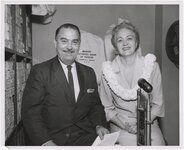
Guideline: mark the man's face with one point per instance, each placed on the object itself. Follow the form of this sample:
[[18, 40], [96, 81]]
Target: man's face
[[67, 45]]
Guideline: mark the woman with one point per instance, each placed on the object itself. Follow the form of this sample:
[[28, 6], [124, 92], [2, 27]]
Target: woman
[[118, 89]]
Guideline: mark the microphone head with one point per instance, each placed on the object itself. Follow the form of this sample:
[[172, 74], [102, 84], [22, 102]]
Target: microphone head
[[145, 85]]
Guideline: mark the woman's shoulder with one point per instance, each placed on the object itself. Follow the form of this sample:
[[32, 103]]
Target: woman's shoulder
[[106, 66], [150, 57], [110, 66], [150, 60], [111, 63]]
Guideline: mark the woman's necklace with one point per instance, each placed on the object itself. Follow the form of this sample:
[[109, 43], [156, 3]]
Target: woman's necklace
[[116, 88]]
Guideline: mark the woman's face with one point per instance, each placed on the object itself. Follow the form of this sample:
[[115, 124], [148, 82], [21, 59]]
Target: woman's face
[[125, 42]]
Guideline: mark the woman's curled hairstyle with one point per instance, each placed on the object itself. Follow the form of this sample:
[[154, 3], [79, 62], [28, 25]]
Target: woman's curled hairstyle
[[124, 25]]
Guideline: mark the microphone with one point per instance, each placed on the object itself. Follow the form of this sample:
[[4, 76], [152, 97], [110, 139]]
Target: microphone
[[145, 85]]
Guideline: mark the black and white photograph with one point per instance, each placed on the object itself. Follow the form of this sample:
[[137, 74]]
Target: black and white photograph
[[91, 75]]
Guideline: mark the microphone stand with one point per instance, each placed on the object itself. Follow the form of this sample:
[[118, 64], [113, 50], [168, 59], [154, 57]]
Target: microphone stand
[[148, 121], [143, 120]]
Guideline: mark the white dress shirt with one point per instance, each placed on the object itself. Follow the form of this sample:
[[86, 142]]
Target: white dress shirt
[[75, 77]]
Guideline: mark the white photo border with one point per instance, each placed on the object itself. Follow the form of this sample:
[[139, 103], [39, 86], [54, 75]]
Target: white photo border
[[73, 2]]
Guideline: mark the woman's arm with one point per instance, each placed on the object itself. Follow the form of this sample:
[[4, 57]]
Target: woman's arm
[[157, 103], [111, 114], [106, 99]]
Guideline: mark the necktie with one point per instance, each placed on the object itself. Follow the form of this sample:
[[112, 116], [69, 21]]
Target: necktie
[[70, 79]]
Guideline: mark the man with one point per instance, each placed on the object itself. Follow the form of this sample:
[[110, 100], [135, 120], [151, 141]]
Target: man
[[61, 105]]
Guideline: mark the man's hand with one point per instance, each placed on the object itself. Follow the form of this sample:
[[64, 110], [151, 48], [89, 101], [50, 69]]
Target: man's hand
[[49, 143], [101, 131]]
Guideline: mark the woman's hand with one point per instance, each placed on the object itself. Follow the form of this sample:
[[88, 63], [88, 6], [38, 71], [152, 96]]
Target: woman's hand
[[129, 124], [131, 127], [153, 117]]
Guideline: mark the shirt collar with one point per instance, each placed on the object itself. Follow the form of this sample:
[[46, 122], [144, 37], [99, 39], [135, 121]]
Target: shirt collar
[[65, 66]]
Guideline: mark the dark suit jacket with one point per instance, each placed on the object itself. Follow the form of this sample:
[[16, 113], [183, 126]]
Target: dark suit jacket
[[48, 106]]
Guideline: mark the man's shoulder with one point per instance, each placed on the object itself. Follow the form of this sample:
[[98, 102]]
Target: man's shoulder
[[45, 64], [85, 67]]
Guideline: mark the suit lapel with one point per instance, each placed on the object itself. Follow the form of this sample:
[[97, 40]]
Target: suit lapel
[[81, 79], [61, 78]]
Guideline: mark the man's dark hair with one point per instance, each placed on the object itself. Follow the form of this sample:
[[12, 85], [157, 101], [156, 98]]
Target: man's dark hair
[[70, 26]]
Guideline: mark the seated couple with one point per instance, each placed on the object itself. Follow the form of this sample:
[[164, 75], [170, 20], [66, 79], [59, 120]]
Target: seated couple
[[61, 104]]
